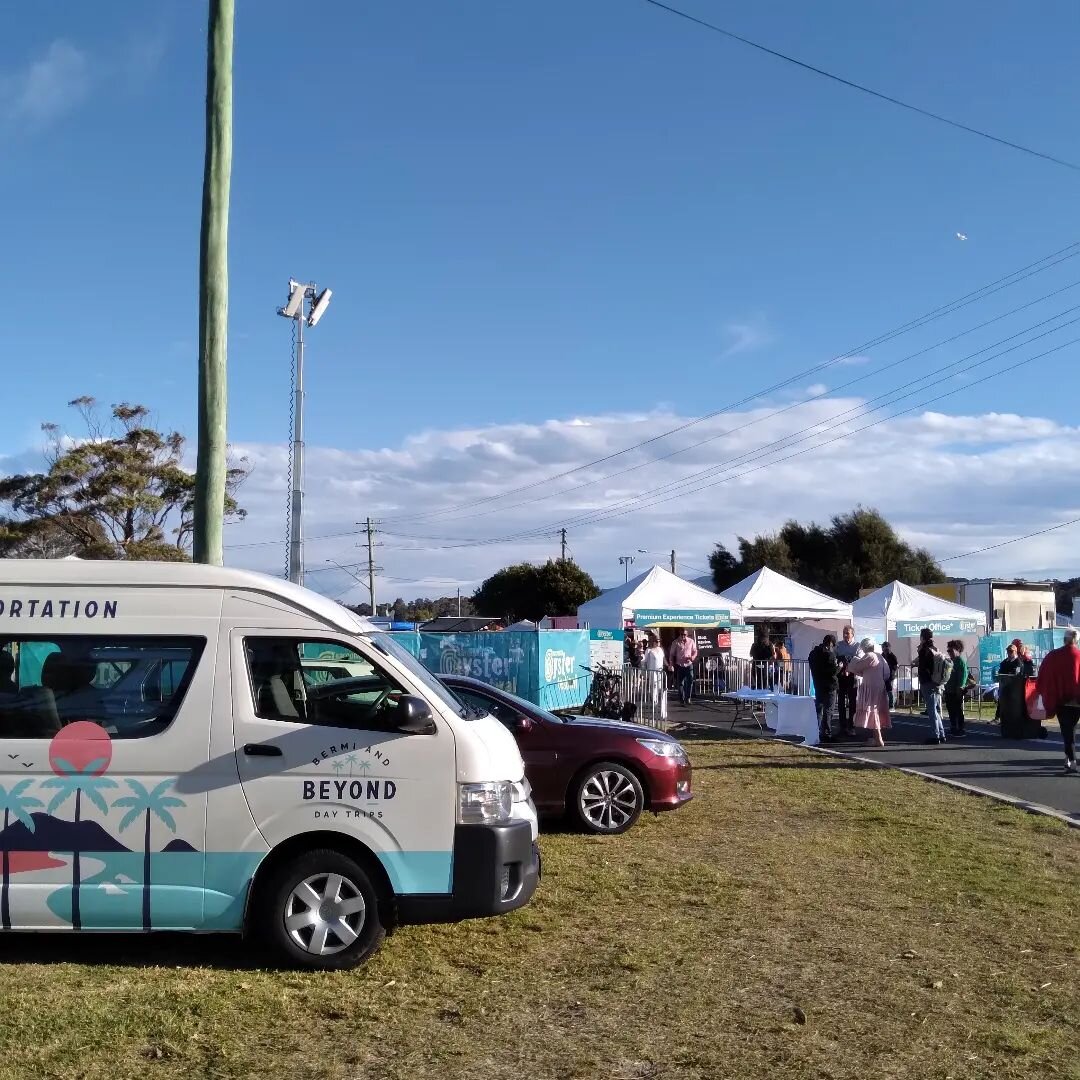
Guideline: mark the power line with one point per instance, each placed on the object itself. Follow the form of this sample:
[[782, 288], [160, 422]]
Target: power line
[[594, 517], [864, 408], [1014, 540], [846, 435], [862, 88], [1070, 251], [873, 373]]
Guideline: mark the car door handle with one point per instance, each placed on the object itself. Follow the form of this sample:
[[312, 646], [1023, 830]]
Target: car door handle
[[262, 750]]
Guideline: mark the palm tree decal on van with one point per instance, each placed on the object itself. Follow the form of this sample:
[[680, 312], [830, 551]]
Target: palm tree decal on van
[[79, 754], [152, 804], [14, 802]]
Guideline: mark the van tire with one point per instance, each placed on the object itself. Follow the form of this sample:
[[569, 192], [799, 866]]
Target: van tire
[[293, 892], [594, 784]]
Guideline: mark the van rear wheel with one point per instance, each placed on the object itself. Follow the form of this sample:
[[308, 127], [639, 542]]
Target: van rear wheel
[[320, 910]]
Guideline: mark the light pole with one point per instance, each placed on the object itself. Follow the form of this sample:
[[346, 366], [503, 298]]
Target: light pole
[[300, 296], [625, 561], [671, 555]]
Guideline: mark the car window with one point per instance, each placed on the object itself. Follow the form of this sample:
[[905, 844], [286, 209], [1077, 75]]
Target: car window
[[350, 691], [132, 687], [506, 714]]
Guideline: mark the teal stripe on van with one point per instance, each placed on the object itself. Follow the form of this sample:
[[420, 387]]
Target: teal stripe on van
[[419, 871]]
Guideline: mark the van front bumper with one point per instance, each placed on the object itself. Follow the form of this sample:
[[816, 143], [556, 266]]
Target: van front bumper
[[496, 869]]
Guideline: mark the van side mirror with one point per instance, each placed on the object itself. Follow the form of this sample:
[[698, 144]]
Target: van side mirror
[[414, 716]]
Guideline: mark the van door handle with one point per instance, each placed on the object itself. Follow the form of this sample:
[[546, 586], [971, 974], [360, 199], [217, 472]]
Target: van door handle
[[255, 749]]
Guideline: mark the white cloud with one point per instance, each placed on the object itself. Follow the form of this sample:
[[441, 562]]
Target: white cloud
[[63, 77], [48, 87], [852, 361], [950, 483], [746, 336]]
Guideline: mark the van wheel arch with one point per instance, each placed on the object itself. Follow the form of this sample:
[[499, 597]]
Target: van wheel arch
[[313, 841]]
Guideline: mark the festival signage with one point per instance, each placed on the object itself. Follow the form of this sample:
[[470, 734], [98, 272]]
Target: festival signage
[[940, 627], [675, 617], [606, 648]]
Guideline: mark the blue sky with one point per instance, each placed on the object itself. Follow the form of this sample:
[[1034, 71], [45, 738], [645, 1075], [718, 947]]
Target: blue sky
[[527, 213]]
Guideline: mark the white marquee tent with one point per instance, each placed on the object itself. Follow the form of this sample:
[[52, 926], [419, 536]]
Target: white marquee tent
[[899, 612], [766, 596], [663, 598]]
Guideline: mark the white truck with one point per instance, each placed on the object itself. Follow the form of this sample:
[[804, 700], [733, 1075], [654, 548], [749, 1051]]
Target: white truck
[[167, 764]]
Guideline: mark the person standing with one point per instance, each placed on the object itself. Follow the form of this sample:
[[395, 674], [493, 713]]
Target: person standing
[[1059, 687], [1027, 662], [930, 671], [653, 663], [684, 652], [892, 660], [824, 669], [761, 660], [954, 689], [872, 702], [847, 684]]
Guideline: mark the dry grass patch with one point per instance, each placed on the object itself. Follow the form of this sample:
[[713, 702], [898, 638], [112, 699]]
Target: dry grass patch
[[801, 918]]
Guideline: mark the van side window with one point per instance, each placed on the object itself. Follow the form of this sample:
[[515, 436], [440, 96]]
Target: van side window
[[132, 687], [319, 682]]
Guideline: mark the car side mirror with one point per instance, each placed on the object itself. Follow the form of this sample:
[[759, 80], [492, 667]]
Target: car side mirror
[[523, 725], [414, 716]]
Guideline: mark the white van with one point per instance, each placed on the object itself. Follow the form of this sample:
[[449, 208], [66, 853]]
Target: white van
[[186, 747]]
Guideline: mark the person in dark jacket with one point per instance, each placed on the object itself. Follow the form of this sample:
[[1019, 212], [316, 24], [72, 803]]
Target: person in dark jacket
[[931, 690], [824, 670], [848, 685], [893, 661]]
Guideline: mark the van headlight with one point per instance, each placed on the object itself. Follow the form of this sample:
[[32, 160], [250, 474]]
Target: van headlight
[[487, 803], [668, 748], [522, 790]]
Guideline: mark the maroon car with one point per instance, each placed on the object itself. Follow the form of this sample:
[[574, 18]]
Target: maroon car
[[601, 772]]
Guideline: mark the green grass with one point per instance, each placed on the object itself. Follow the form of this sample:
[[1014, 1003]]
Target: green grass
[[801, 918]]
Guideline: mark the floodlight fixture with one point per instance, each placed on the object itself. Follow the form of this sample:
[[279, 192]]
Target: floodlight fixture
[[318, 306], [297, 292]]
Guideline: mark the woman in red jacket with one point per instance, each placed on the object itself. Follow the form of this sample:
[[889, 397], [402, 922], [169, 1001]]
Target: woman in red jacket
[[1059, 688]]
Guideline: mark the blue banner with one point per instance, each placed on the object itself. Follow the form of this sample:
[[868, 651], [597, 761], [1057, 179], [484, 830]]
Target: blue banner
[[940, 627], [992, 648], [545, 667]]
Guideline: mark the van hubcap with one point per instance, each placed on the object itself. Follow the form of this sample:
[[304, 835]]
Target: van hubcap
[[608, 800], [325, 914]]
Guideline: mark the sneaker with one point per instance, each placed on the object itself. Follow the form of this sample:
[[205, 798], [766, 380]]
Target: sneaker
[[940, 739], [933, 740], [1070, 768]]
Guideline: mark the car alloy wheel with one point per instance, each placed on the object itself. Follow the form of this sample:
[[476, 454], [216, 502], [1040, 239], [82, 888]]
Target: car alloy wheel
[[609, 799]]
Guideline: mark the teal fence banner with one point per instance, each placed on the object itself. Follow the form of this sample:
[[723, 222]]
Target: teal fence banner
[[677, 617], [546, 667], [940, 627], [992, 648]]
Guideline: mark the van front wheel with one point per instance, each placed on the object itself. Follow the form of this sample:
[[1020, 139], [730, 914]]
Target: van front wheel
[[320, 910]]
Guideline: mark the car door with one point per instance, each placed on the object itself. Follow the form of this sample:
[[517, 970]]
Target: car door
[[96, 732], [329, 757], [534, 742]]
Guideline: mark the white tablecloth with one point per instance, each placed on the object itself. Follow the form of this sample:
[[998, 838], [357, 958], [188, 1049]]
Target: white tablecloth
[[787, 714]]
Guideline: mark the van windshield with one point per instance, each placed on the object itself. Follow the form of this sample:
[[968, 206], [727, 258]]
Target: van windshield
[[386, 644]]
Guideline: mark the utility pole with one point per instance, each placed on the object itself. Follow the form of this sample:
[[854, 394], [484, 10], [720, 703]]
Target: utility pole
[[459, 602], [371, 562], [210, 467], [562, 534], [673, 560]]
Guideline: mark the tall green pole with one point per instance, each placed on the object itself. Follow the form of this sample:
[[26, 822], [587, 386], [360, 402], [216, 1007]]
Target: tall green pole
[[214, 287]]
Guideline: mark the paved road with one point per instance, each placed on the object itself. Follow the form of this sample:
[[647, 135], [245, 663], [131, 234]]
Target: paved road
[[1029, 770]]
